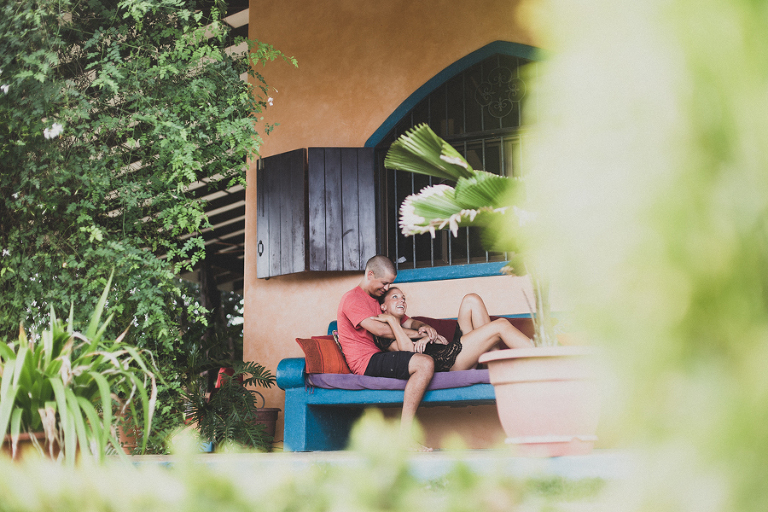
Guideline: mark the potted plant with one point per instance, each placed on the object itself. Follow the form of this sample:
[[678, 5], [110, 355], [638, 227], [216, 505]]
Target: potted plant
[[230, 414], [547, 395], [59, 389]]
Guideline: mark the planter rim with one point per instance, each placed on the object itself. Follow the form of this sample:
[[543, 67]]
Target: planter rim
[[518, 353], [26, 436]]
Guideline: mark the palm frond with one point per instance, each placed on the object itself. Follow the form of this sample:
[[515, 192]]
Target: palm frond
[[485, 189], [421, 151], [436, 208]]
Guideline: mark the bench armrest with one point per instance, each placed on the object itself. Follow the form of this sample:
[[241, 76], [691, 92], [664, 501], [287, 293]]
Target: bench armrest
[[290, 373]]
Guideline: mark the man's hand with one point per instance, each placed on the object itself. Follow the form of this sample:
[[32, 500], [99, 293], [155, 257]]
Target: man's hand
[[429, 332]]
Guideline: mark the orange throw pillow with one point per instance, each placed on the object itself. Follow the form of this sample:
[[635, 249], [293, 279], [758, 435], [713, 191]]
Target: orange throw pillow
[[323, 355]]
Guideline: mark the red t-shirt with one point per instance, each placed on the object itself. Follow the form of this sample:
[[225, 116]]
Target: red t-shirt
[[356, 343]]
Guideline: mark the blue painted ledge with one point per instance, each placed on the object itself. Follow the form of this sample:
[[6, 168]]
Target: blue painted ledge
[[415, 275]]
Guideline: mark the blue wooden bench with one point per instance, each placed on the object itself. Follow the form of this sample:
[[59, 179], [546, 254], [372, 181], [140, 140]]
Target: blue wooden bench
[[320, 419]]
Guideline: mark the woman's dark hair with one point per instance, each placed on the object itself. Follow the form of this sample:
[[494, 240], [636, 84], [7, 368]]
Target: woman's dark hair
[[381, 299]]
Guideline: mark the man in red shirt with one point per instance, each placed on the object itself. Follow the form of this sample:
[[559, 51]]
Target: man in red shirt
[[357, 326]]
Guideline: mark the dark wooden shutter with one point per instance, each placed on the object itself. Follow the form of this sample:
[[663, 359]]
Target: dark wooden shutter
[[281, 225], [324, 196], [342, 209]]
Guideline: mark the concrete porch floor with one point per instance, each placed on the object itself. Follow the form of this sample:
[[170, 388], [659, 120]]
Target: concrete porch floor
[[604, 464]]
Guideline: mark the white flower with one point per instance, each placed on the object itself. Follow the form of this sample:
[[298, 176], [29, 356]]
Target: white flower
[[54, 131], [5, 88], [6, 252], [270, 101]]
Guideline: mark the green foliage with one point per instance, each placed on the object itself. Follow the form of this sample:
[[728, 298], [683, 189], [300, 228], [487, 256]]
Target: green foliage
[[148, 102], [421, 151], [63, 384], [229, 415], [203, 347], [373, 477], [650, 168], [478, 199]]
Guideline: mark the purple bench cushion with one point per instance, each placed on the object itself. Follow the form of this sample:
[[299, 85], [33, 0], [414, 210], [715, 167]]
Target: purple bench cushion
[[443, 380]]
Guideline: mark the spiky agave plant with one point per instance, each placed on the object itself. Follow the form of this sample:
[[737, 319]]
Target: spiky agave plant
[[478, 198], [67, 385]]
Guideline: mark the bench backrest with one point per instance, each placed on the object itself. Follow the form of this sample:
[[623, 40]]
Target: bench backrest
[[523, 322]]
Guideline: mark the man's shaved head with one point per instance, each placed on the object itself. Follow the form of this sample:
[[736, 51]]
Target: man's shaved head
[[381, 266]]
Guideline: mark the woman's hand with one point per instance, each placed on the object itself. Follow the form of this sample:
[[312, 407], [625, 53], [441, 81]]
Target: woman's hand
[[384, 317], [421, 344], [440, 340]]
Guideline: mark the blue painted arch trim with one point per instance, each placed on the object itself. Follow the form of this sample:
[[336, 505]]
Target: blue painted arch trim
[[503, 47]]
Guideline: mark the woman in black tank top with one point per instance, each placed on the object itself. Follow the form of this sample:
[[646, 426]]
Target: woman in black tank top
[[475, 333]]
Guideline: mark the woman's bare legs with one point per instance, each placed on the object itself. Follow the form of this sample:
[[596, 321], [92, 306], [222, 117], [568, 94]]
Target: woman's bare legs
[[480, 334], [472, 313]]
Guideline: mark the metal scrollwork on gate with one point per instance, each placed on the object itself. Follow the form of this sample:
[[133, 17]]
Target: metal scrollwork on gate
[[500, 92]]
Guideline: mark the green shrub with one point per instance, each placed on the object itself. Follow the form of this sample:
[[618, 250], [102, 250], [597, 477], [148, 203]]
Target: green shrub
[[229, 414], [375, 476], [63, 382]]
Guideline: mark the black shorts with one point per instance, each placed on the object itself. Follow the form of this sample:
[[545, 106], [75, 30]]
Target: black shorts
[[390, 364]]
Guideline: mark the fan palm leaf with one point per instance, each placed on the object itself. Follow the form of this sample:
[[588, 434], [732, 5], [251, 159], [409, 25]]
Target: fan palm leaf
[[421, 151], [436, 208], [484, 189]]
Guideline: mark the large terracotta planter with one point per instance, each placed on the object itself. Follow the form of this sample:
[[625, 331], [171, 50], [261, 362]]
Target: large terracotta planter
[[547, 398], [34, 444], [127, 435]]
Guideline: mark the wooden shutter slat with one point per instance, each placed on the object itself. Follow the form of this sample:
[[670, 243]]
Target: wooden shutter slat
[[299, 200], [367, 205], [273, 170], [333, 210], [316, 199], [286, 215], [262, 224], [350, 241]]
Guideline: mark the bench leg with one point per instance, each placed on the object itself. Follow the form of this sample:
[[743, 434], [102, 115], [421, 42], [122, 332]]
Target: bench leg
[[330, 426], [316, 427]]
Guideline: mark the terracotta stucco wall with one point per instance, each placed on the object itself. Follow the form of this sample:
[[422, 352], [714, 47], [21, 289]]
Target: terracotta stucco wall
[[358, 61]]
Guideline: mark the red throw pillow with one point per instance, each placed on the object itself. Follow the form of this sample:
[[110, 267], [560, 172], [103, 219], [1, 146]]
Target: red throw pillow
[[322, 355]]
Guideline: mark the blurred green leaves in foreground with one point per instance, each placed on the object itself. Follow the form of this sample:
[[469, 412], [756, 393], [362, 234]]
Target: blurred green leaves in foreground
[[374, 476], [651, 173]]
